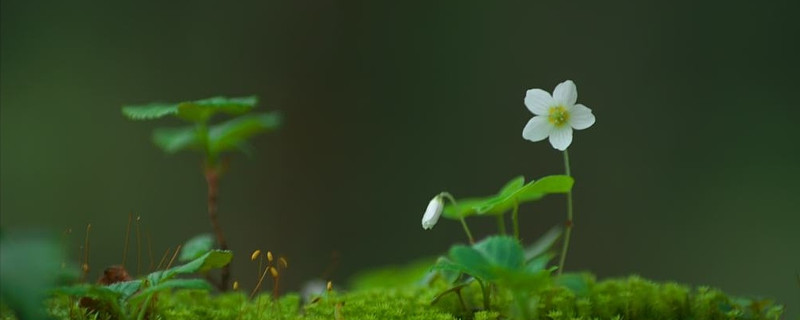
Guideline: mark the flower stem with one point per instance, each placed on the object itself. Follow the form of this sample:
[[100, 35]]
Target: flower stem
[[515, 219], [501, 224], [466, 229], [568, 223], [461, 218]]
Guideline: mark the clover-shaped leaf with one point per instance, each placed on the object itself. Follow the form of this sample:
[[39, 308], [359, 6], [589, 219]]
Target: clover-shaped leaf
[[513, 193], [532, 191], [487, 259]]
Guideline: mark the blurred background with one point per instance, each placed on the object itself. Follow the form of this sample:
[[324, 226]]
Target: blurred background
[[690, 173]]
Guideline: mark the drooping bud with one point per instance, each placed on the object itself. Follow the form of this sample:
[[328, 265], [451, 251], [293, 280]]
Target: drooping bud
[[433, 212]]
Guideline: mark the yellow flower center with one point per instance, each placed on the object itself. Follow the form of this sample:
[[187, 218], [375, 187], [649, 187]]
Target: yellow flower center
[[558, 116]]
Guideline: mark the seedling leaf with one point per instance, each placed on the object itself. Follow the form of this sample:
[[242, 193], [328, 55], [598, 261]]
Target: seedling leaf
[[200, 111], [233, 133], [172, 140], [126, 288], [196, 247], [210, 260], [150, 111]]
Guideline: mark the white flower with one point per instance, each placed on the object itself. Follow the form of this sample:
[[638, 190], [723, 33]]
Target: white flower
[[556, 115], [433, 212]]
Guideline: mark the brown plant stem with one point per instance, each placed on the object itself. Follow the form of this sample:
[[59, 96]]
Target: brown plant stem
[[212, 179]]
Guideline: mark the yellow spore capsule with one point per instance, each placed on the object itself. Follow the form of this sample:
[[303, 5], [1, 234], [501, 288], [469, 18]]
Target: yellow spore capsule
[[283, 261], [255, 254], [269, 256], [235, 285], [273, 271], [330, 286]]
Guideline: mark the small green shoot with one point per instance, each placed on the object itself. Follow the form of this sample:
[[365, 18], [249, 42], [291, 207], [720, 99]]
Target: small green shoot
[[196, 247], [210, 140]]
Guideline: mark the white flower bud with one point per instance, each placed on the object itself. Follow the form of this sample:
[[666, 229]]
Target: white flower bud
[[433, 212]]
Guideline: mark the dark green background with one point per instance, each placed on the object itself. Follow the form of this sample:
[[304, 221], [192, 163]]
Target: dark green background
[[690, 173]]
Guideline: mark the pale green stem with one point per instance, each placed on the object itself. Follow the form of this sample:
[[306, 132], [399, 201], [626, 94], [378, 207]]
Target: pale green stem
[[515, 219], [501, 224], [461, 218], [569, 219], [486, 304]]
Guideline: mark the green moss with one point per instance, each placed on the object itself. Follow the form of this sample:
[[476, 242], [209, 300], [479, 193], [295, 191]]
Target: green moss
[[624, 298]]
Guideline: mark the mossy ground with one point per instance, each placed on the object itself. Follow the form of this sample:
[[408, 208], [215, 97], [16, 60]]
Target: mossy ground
[[625, 298]]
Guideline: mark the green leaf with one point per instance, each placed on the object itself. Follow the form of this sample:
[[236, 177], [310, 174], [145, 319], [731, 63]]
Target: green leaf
[[465, 208], [196, 247], [149, 111], [488, 259], [125, 288], [29, 269], [512, 186], [110, 297], [544, 243], [211, 260], [532, 191], [172, 140], [445, 264], [544, 186], [578, 283], [502, 252], [471, 262], [538, 263], [198, 284], [200, 111], [232, 134], [468, 207]]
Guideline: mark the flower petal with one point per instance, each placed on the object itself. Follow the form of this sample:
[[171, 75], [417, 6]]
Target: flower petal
[[566, 93], [580, 117], [561, 138], [538, 101], [537, 129]]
